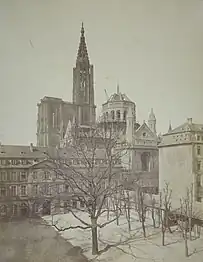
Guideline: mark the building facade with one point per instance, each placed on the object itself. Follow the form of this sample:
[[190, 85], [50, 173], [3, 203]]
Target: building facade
[[141, 140], [31, 181], [15, 163], [54, 113], [181, 161]]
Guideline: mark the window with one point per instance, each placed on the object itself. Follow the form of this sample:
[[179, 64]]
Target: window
[[198, 150], [198, 138], [2, 162], [145, 161], [107, 115], [118, 114], [198, 165], [74, 202], [13, 176], [14, 162], [23, 176], [13, 191], [199, 199], [82, 204], [3, 191], [23, 190], [35, 189], [57, 189], [34, 175], [144, 134], [3, 176], [3, 210], [14, 209], [112, 115], [46, 175], [46, 189], [198, 181], [66, 188], [23, 161]]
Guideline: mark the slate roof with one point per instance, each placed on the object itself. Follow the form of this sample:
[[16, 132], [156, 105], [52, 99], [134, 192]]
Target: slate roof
[[32, 152], [119, 97]]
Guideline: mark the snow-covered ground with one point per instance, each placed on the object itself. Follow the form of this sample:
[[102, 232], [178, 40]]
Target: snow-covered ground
[[131, 247]]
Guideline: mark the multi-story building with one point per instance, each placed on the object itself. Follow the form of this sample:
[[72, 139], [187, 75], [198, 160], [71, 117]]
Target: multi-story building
[[181, 161], [15, 162], [54, 113], [141, 140], [31, 182]]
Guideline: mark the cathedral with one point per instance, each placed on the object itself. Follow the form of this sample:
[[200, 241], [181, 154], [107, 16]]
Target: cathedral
[[56, 119], [54, 114]]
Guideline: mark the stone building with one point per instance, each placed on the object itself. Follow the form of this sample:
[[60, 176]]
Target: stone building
[[54, 113], [181, 161], [141, 140], [15, 162], [31, 182]]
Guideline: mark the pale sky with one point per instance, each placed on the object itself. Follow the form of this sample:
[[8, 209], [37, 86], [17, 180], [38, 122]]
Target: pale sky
[[153, 48]]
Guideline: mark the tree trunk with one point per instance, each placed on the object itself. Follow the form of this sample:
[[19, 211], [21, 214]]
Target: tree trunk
[[163, 237], [108, 213], [95, 248], [186, 244], [159, 217], [153, 218], [143, 228], [117, 218], [128, 214], [190, 227]]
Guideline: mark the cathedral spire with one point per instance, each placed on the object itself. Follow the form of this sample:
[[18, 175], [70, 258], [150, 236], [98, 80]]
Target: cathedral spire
[[82, 50], [170, 127], [118, 88]]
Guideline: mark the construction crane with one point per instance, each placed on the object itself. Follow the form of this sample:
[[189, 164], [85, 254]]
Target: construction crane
[[107, 97]]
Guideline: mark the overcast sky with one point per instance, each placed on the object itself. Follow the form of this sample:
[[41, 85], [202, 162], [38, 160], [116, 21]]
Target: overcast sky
[[154, 48]]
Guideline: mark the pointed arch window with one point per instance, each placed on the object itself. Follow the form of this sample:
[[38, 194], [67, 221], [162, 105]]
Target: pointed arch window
[[107, 115], [112, 115], [124, 115], [145, 161]]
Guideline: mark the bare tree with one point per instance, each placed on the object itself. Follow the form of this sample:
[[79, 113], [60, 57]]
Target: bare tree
[[165, 208], [188, 217], [91, 168], [142, 210], [184, 219], [127, 208]]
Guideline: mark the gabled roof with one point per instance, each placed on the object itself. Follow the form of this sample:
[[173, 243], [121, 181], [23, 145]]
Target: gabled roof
[[186, 127], [119, 97], [19, 151], [144, 128]]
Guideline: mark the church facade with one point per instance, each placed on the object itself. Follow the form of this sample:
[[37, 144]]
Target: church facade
[[54, 113], [56, 119], [141, 158]]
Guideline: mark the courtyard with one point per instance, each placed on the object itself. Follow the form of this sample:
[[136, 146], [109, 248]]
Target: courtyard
[[32, 240]]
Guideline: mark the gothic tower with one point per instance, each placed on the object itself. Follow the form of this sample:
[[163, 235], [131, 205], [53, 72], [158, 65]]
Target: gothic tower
[[54, 114], [83, 85], [152, 121], [129, 126]]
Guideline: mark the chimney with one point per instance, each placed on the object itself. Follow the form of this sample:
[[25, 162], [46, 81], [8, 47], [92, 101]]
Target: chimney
[[31, 147], [189, 120]]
